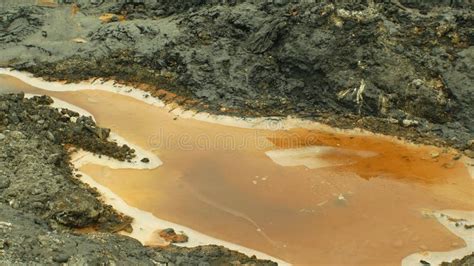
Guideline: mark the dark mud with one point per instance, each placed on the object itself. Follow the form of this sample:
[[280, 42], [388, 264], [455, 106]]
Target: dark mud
[[466, 261], [42, 202], [403, 70], [36, 174]]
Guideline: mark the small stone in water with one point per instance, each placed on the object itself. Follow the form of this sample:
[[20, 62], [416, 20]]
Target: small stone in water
[[424, 262]]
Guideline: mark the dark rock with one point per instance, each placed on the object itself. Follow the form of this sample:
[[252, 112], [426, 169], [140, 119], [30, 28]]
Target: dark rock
[[17, 135], [61, 258], [50, 136], [266, 37], [3, 106], [424, 262], [171, 236], [145, 160], [4, 182], [259, 59], [466, 261]]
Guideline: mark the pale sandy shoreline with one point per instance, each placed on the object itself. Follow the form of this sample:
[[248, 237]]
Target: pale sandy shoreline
[[444, 216], [145, 223]]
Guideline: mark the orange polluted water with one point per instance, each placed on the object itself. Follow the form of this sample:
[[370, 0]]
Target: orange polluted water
[[266, 190]]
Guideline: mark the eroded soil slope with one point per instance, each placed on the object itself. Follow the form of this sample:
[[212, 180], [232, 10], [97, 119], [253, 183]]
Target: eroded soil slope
[[392, 68]]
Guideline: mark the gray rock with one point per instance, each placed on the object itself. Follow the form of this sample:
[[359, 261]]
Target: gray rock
[[3, 106], [409, 123], [50, 136], [4, 182], [61, 258], [17, 135]]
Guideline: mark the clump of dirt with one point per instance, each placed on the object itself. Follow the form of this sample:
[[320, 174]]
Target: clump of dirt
[[171, 236]]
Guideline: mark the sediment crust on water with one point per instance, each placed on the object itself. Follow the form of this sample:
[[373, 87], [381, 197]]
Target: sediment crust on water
[[313, 156]]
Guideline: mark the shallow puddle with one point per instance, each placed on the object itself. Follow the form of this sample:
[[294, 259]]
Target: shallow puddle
[[305, 196]]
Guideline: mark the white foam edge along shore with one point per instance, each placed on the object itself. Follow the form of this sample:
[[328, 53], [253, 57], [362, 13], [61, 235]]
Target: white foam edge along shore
[[454, 221], [97, 84], [82, 157], [263, 123], [144, 224], [469, 162]]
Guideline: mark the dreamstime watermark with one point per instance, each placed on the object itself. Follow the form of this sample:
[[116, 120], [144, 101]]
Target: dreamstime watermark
[[255, 140], [207, 142]]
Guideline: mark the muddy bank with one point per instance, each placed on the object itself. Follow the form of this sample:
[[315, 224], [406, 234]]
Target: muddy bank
[[28, 239], [36, 174], [396, 69], [42, 203], [468, 260]]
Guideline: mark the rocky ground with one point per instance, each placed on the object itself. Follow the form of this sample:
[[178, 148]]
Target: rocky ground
[[394, 68], [466, 261], [42, 203]]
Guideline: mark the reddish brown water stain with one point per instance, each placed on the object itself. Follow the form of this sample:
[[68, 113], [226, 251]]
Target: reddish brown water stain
[[325, 216], [396, 160]]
